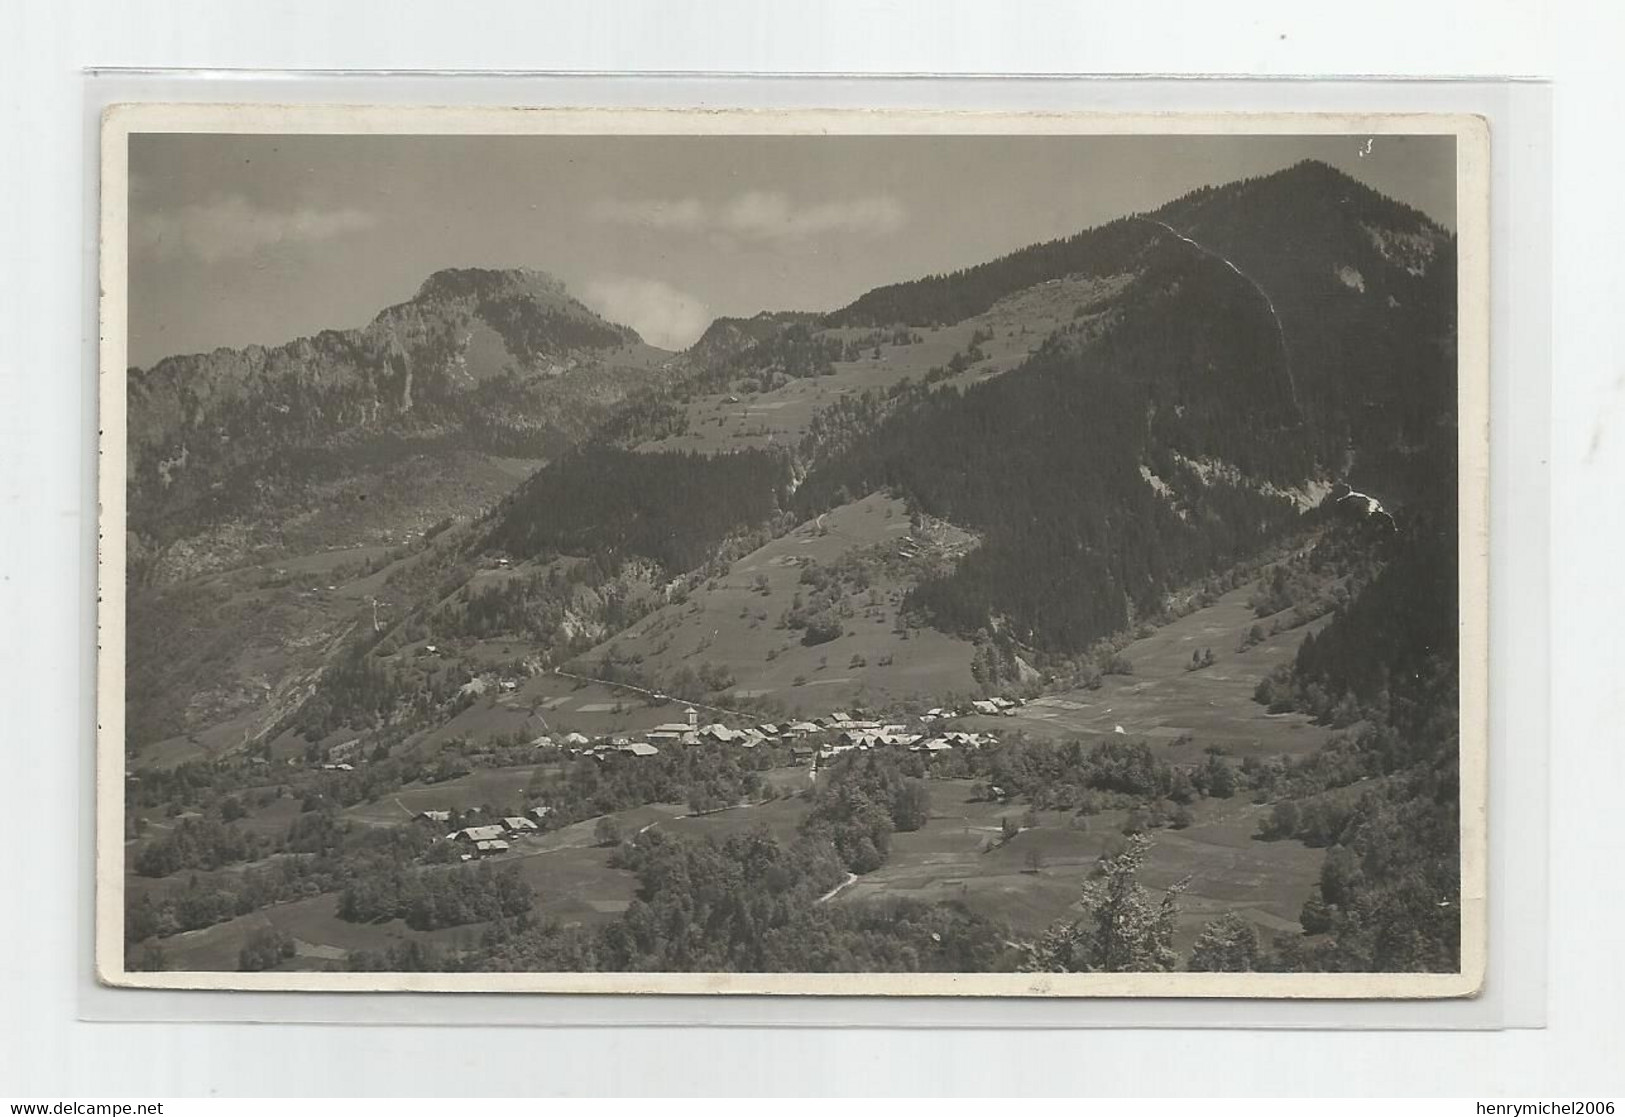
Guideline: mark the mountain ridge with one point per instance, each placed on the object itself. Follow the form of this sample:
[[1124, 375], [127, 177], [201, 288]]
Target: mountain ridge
[[480, 361]]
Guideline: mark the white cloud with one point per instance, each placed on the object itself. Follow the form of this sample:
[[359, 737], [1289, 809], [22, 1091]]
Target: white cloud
[[233, 226], [770, 216], [685, 214], [757, 215], [664, 315]]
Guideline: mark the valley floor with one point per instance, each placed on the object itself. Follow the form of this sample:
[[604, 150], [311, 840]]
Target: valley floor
[[961, 854]]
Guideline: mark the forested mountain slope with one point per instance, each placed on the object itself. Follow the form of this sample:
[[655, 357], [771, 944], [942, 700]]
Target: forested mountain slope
[[1365, 288], [1275, 333], [1361, 287]]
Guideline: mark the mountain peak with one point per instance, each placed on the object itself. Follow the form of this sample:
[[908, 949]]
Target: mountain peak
[[465, 283], [534, 312], [1312, 190]]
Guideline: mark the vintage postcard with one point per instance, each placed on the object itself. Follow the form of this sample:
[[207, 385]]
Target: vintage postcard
[[809, 552]]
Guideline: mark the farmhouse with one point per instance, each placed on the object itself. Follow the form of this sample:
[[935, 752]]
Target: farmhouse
[[639, 748], [984, 706], [492, 845], [539, 813], [435, 816], [575, 740], [476, 834], [802, 728], [516, 825], [544, 742]]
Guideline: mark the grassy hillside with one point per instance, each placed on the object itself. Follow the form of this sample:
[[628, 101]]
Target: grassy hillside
[[737, 621]]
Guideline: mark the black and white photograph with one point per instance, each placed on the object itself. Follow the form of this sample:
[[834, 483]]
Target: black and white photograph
[[907, 553]]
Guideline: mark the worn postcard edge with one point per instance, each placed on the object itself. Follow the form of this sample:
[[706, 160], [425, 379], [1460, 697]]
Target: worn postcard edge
[[1472, 238]]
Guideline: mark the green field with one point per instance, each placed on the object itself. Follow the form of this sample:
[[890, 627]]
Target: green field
[[1163, 701], [570, 872], [957, 856], [733, 623]]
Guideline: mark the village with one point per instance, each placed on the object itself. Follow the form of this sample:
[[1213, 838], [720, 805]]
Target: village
[[811, 742]]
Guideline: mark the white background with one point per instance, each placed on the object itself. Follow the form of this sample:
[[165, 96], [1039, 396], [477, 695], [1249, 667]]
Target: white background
[[47, 532]]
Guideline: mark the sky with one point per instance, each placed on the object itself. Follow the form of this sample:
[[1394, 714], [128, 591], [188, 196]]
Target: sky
[[239, 240]]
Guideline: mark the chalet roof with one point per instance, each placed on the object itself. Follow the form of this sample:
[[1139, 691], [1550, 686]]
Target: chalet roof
[[480, 833], [640, 748], [513, 822]]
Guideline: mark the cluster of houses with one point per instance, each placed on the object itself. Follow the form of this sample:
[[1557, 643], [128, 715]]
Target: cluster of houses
[[492, 838], [823, 737]]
